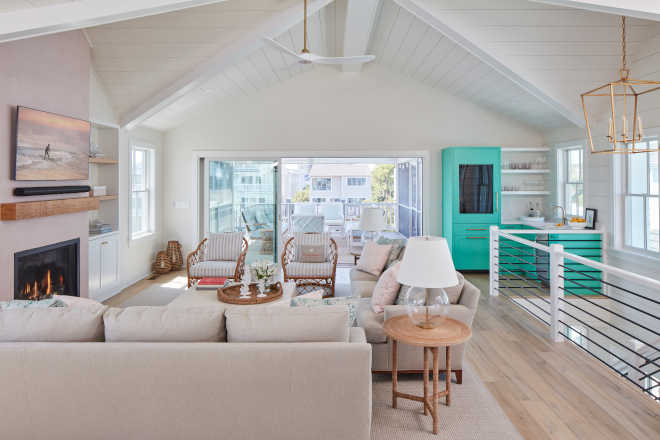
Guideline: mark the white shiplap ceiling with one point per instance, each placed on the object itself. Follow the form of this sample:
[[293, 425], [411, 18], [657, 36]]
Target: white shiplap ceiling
[[17, 5], [565, 51]]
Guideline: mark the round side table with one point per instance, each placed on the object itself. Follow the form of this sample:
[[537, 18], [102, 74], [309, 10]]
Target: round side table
[[449, 333], [266, 241]]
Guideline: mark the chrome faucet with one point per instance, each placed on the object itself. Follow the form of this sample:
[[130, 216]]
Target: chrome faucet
[[563, 214]]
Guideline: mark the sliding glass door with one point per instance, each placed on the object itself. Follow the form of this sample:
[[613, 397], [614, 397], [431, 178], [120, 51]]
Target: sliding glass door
[[242, 196], [409, 196]]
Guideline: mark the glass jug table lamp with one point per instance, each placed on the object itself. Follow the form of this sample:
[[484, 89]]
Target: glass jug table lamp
[[372, 221], [427, 267]]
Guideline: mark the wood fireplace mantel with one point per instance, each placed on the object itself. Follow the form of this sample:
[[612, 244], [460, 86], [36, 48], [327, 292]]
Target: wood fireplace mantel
[[46, 208]]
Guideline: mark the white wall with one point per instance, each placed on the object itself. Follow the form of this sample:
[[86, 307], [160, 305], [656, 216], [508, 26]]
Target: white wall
[[100, 108], [325, 110]]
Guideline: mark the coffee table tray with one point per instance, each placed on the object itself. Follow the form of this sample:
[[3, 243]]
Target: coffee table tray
[[231, 294]]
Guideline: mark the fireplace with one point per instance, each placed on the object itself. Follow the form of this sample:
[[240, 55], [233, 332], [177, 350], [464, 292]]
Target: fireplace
[[46, 271]]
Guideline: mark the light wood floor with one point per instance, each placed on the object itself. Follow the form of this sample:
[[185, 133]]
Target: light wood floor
[[549, 390]]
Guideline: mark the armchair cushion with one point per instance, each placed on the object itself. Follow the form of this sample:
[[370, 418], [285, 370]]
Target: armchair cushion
[[304, 208], [309, 270], [398, 244], [270, 215], [250, 217], [213, 269], [301, 239], [333, 211], [261, 218], [225, 246]]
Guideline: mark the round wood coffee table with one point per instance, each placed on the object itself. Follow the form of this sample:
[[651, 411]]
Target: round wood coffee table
[[450, 332]]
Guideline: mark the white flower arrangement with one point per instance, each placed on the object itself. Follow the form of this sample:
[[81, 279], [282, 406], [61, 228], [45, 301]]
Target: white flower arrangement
[[263, 269]]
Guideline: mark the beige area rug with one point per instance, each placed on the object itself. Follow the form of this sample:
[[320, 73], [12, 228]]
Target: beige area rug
[[156, 295], [474, 413]]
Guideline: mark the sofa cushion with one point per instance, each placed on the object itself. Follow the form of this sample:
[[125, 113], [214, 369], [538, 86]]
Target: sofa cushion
[[386, 289], [371, 322], [224, 246], [27, 304], [401, 296], [318, 294], [454, 292], [363, 288], [373, 258], [213, 269], [52, 324], [350, 301], [287, 324], [76, 301], [398, 244], [357, 275], [309, 270], [166, 324]]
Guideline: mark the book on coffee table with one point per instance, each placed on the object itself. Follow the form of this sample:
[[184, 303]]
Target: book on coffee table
[[212, 283]]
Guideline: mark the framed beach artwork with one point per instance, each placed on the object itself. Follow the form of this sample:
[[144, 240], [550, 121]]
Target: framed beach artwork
[[590, 218], [50, 146]]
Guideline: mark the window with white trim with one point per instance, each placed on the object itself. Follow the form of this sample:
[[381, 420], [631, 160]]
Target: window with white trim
[[142, 189], [355, 200], [319, 199], [641, 198], [356, 181], [570, 173], [322, 183]]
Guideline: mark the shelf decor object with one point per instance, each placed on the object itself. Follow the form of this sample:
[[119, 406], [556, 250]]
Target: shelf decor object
[[426, 265], [162, 264], [625, 88], [174, 255], [372, 221], [47, 208]]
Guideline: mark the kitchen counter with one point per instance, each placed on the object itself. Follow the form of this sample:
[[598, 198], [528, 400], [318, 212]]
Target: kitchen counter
[[550, 226]]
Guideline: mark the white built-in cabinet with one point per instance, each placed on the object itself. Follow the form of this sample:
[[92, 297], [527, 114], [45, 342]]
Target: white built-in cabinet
[[103, 264]]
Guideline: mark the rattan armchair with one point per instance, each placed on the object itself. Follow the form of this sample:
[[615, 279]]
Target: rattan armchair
[[324, 279], [221, 269]]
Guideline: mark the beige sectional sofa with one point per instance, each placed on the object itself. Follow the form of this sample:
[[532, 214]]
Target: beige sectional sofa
[[409, 358], [278, 382]]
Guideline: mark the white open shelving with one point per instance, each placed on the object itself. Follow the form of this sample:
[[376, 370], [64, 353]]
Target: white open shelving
[[525, 193], [524, 150], [537, 171]]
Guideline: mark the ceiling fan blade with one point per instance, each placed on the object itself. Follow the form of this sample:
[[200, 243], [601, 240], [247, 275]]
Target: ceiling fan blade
[[286, 69], [277, 46], [343, 60]]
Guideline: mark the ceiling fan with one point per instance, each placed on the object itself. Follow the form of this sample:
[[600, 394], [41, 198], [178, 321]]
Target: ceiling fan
[[309, 58]]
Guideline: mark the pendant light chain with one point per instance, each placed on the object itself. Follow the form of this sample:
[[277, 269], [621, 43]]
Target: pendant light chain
[[623, 37]]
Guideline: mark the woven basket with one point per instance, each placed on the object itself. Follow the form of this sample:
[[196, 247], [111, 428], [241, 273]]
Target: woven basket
[[162, 263], [174, 255]]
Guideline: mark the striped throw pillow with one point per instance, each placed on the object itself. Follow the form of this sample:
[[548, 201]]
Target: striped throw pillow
[[225, 246], [320, 240]]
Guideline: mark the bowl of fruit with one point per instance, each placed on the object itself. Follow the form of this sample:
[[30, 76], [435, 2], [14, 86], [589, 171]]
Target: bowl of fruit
[[577, 223]]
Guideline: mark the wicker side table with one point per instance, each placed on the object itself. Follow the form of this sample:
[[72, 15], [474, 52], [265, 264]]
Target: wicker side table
[[266, 241], [451, 332]]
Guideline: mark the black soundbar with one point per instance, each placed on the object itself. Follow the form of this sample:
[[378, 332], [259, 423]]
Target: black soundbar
[[48, 190]]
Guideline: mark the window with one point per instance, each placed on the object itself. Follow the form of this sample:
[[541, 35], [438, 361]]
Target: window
[[332, 199], [262, 200], [640, 193], [142, 186], [571, 180], [322, 184], [356, 181], [652, 382], [355, 200], [319, 199]]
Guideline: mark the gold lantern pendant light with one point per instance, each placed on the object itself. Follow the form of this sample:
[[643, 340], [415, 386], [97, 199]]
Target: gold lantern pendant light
[[622, 90]]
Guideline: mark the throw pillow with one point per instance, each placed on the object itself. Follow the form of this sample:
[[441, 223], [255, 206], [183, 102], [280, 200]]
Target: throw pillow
[[24, 304], [317, 294], [373, 258], [350, 301], [386, 289], [398, 244], [311, 254], [401, 296], [261, 218], [75, 301], [454, 292], [224, 246], [314, 239]]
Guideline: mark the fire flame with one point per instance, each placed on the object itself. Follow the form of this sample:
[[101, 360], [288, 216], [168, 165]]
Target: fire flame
[[44, 288]]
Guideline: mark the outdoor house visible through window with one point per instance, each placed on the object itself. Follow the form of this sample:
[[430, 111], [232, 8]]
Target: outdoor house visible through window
[[640, 191], [322, 184], [356, 181], [141, 192], [573, 180]]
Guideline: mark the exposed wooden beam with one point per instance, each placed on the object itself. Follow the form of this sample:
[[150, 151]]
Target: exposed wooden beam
[[33, 22], [430, 12], [360, 23], [645, 9], [272, 28]]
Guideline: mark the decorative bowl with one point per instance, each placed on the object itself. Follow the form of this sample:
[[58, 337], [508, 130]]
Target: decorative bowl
[[576, 225]]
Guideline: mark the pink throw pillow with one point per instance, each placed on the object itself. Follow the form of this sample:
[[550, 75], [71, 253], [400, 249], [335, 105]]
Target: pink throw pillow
[[373, 258], [318, 294], [74, 301], [387, 289]]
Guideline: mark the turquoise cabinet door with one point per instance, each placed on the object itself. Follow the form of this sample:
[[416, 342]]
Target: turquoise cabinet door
[[471, 253], [476, 185]]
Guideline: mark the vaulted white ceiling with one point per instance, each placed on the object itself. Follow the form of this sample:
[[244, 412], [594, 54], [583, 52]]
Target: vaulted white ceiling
[[17, 5]]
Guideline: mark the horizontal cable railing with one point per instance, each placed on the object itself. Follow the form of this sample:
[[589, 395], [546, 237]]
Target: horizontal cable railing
[[577, 298]]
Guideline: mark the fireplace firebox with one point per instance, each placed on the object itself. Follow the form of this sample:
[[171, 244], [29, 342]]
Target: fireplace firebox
[[46, 271]]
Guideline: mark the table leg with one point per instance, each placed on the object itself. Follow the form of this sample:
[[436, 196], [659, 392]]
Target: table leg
[[434, 350], [394, 378], [448, 375], [426, 380]]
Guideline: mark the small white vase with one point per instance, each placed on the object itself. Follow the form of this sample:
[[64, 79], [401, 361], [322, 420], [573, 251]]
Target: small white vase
[[262, 287]]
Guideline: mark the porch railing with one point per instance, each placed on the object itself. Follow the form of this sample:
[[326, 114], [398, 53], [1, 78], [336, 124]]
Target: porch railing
[[606, 311], [351, 210]]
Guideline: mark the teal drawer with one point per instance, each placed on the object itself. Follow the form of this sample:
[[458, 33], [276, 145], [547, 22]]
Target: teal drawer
[[481, 230], [471, 253]]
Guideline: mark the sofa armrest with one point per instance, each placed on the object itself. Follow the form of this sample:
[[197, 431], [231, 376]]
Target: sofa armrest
[[357, 335], [458, 312], [469, 296]]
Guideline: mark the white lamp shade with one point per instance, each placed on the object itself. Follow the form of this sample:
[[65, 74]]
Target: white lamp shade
[[427, 263], [372, 219]]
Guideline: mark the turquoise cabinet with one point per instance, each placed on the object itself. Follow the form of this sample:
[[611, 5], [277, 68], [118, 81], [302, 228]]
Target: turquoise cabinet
[[471, 201], [587, 246]]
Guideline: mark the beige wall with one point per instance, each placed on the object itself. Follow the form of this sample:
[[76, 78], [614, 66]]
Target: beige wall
[[48, 73], [325, 110]]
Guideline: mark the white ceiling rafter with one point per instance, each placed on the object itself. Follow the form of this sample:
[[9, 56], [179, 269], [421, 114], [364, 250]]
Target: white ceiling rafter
[[427, 11], [217, 64], [26, 23], [648, 10], [361, 21]]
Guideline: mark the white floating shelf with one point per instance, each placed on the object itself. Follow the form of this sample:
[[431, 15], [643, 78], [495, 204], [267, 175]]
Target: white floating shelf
[[543, 171], [524, 150], [525, 193]]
